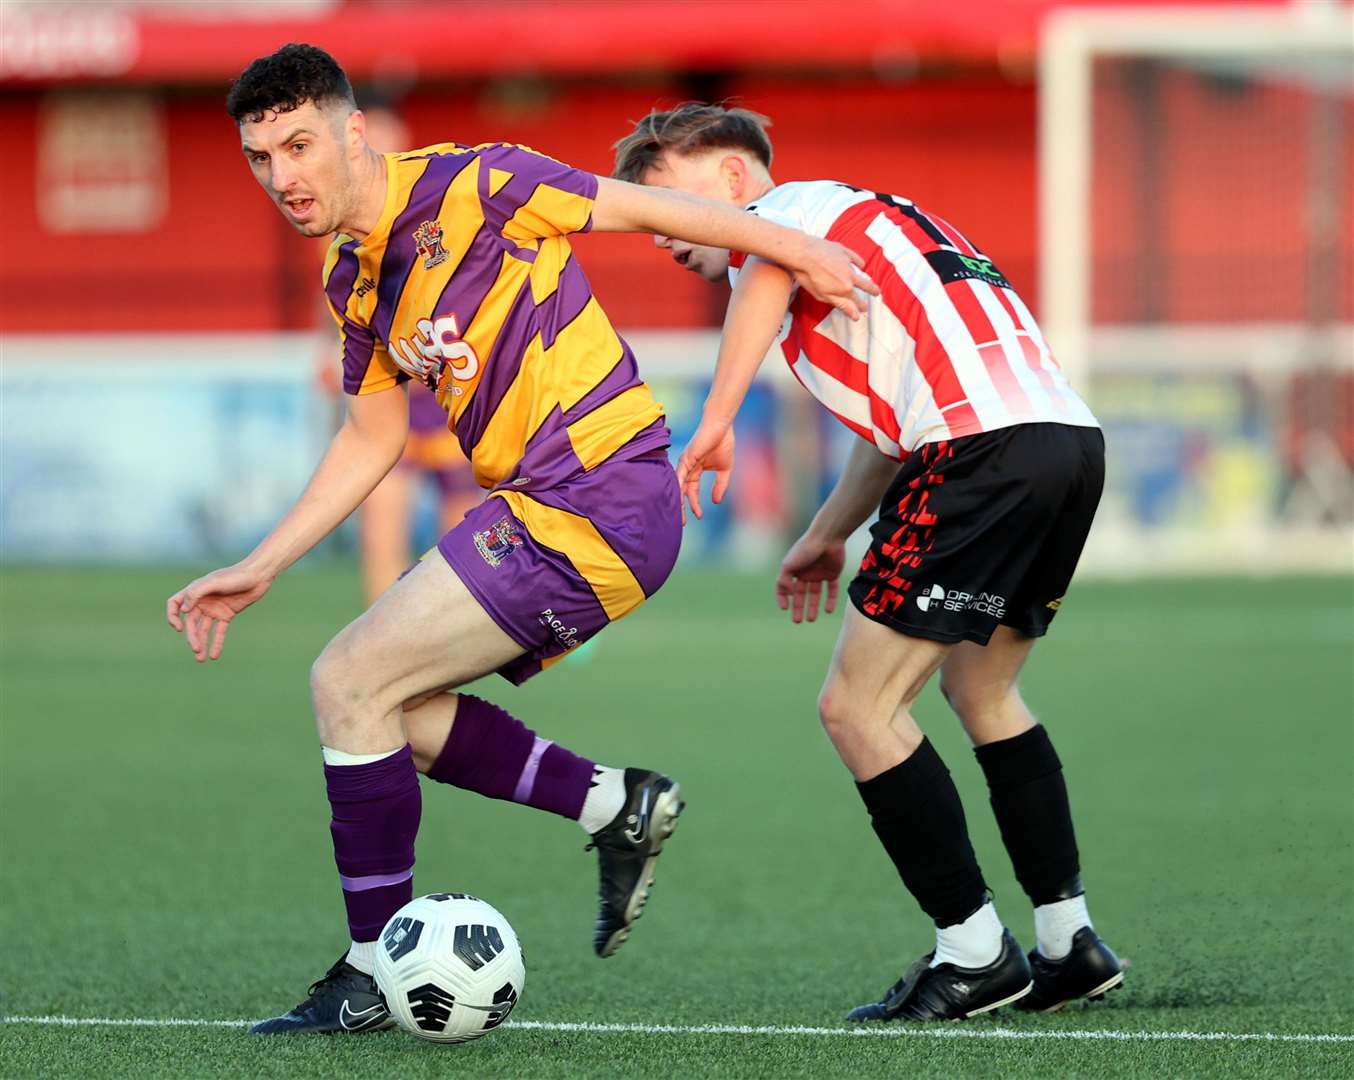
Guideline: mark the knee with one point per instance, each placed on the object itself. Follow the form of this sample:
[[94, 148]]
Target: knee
[[987, 713], [975, 705], [835, 711], [342, 702], [960, 697]]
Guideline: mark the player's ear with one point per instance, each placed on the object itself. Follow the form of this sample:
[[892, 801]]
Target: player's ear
[[355, 133], [733, 171]]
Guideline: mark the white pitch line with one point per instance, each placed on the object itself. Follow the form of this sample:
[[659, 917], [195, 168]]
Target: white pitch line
[[937, 1032], [124, 1021]]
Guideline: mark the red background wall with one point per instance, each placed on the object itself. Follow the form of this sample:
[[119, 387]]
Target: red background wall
[[1223, 240]]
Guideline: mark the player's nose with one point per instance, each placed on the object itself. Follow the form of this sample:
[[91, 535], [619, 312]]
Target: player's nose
[[281, 177]]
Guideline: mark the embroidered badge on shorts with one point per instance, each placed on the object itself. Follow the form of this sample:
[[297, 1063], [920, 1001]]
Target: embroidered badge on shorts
[[498, 541]]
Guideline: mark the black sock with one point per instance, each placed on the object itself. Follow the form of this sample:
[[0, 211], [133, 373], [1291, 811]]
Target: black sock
[[917, 815], [1029, 798]]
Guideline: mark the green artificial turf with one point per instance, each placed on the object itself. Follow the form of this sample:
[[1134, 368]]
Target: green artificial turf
[[164, 850]]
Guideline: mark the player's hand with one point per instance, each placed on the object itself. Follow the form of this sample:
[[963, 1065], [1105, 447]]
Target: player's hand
[[812, 561], [202, 610], [833, 273], [710, 450]]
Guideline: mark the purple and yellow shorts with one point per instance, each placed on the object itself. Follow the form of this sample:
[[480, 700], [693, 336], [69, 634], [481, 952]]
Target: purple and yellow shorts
[[552, 566]]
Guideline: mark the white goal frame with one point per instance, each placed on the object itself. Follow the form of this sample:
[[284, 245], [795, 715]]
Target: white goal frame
[[1072, 39]]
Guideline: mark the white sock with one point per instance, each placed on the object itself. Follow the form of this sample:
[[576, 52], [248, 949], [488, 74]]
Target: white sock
[[338, 757], [605, 799], [362, 955], [973, 943], [1055, 924]]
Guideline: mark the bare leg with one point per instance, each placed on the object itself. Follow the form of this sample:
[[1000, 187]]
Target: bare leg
[[426, 632], [979, 682], [1025, 780], [875, 676], [384, 681], [427, 724]]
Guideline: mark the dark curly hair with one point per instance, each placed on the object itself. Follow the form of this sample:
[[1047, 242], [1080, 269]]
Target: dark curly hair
[[286, 80], [689, 129]]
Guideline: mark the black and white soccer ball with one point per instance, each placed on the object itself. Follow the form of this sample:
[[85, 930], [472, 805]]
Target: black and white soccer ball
[[450, 967]]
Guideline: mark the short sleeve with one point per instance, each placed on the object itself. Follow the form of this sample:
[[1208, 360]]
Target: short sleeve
[[528, 196], [367, 365], [777, 215]]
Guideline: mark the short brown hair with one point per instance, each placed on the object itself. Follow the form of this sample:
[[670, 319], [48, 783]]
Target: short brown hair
[[689, 129], [286, 80]]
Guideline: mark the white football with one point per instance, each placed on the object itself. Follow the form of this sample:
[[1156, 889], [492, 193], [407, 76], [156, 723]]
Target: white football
[[450, 967]]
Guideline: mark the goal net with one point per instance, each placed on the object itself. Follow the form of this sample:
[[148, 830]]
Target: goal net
[[1196, 241]]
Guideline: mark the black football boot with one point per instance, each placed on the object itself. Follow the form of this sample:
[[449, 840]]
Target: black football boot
[[627, 850], [344, 1001], [1090, 970], [947, 992]]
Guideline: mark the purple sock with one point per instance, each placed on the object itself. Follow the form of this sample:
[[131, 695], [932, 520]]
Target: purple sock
[[376, 811], [492, 752]]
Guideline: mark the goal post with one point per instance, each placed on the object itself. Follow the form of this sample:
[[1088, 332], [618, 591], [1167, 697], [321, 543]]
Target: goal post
[[1195, 171]]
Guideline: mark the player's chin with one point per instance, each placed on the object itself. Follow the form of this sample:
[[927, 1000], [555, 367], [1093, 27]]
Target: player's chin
[[310, 225], [312, 228]]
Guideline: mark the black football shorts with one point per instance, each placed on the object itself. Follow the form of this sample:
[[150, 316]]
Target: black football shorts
[[982, 531]]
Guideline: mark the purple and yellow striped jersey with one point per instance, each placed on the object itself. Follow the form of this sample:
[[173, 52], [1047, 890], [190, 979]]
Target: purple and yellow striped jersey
[[468, 284]]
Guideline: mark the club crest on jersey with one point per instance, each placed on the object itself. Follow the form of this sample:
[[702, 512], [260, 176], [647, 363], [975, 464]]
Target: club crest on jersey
[[498, 541], [428, 243]]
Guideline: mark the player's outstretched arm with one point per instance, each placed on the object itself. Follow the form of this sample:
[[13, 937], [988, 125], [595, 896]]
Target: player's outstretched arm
[[365, 448], [828, 270], [817, 557], [756, 311]]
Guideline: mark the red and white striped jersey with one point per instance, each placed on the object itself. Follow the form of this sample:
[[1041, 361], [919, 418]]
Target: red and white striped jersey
[[946, 349]]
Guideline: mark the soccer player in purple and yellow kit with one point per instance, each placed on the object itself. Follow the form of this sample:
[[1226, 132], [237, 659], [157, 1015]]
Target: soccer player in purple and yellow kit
[[451, 266]]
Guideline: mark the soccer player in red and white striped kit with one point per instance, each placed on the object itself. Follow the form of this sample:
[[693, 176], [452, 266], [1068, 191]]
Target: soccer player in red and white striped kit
[[985, 468]]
